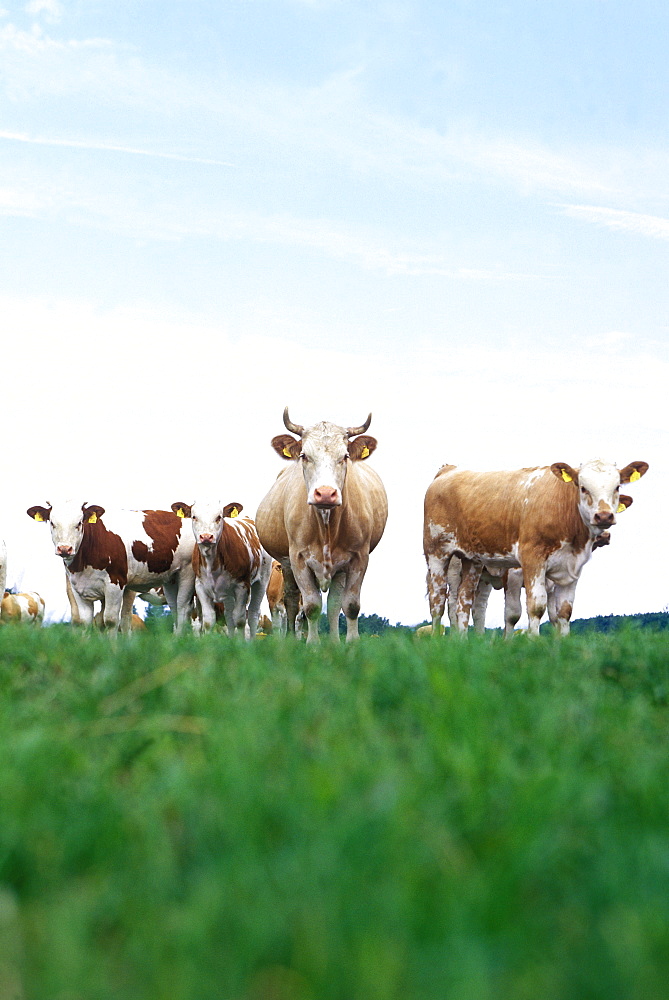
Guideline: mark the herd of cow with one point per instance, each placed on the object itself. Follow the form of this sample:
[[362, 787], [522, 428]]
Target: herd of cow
[[323, 515]]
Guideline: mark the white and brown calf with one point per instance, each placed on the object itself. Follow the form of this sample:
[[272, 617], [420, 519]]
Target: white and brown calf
[[21, 608], [231, 567]]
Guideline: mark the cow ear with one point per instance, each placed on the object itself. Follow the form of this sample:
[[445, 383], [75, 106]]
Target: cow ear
[[624, 503], [232, 510], [361, 447], [564, 472], [287, 446], [39, 513], [633, 471], [92, 512], [182, 509]]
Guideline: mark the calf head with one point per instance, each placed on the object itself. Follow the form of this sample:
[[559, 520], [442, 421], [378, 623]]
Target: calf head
[[207, 519], [598, 484], [324, 451], [67, 521]]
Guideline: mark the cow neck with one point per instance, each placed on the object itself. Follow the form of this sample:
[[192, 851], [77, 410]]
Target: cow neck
[[101, 549], [579, 533]]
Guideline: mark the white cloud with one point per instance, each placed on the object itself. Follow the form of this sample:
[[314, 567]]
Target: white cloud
[[108, 147], [620, 220], [51, 8]]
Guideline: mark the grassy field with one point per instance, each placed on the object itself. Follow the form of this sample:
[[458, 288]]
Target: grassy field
[[192, 819]]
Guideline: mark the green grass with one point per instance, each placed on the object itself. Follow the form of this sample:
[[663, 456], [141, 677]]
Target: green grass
[[191, 818]]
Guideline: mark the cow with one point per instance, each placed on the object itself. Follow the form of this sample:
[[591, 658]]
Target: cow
[[544, 521], [19, 608], [128, 552], [229, 563], [321, 518]]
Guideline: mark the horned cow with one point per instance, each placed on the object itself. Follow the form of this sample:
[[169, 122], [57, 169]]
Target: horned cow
[[321, 519]]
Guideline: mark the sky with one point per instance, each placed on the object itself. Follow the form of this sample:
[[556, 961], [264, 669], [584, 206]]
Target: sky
[[453, 214]]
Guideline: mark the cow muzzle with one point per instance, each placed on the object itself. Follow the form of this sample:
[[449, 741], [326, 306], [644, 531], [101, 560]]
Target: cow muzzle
[[326, 497], [206, 538], [604, 519], [64, 551]]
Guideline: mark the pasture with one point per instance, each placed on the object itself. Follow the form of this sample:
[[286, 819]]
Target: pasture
[[190, 818]]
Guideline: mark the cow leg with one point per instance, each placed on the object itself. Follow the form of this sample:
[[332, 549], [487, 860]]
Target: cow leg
[[185, 591], [235, 601], [334, 604], [312, 602], [111, 618], [258, 589], [126, 610], [469, 580], [355, 574], [291, 596], [74, 607], [560, 606], [534, 575], [453, 577], [437, 588], [206, 604], [512, 605], [85, 609], [480, 605]]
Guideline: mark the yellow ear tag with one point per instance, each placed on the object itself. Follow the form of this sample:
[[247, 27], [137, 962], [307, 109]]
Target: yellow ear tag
[[635, 475], [93, 518], [180, 512], [286, 452], [365, 452], [234, 512], [621, 508], [38, 516], [567, 478]]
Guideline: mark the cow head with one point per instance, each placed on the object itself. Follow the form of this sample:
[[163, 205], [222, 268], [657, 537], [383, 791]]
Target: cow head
[[67, 522], [207, 519], [598, 484], [324, 451]]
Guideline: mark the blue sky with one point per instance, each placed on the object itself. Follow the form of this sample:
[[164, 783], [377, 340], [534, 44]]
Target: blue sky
[[453, 214]]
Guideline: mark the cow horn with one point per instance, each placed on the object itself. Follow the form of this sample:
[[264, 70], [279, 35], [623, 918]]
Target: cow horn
[[290, 426], [352, 431]]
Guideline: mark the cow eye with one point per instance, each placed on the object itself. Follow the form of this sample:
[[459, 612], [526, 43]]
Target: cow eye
[[304, 457]]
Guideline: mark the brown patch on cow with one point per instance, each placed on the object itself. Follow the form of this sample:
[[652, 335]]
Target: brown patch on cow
[[104, 550], [564, 611], [33, 606], [10, 610], [164, 529]]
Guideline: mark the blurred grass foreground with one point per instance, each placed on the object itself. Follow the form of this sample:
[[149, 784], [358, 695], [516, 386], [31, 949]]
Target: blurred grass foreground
[[197, 819]]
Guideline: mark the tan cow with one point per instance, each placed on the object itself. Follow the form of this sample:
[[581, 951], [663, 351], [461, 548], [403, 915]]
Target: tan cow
[[275, 599], [322, 517], [20, 608], [544, 521]]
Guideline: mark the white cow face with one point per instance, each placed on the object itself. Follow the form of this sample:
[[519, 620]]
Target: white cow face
[[325, 452], [207, 519], [598, 485], [66, 522]]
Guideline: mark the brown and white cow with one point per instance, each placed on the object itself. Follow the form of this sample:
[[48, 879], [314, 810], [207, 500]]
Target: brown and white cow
[[321, 518], [130, 551], [21, 608], [230, 565], [544, 521]]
